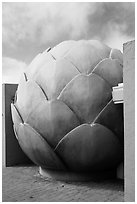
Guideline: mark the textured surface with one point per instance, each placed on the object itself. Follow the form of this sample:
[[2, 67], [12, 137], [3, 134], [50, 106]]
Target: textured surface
[[24, 184], [64, 90]]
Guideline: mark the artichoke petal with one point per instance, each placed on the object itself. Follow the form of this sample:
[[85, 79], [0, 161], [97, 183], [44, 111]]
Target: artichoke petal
[[37, 148], [80, 56], [112, 117], [15, 115], [86, 96], [40, 60], [54, 76], [116, 54], [102, 49], [110, 70], [17, 119], [29, 95], [90, 148], [53, 119], [62, 48]]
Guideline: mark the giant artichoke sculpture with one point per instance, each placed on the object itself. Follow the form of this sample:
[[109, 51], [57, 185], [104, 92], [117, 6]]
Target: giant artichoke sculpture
[[63, 114]]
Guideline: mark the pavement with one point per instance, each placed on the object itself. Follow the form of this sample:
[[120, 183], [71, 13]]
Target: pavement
[[25, 184]]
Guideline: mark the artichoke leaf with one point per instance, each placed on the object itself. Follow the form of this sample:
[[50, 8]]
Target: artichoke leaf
[[112, 117], [37, 148], [29, 95], [86, 95], [53, 119], [110, 70], [102, 49], [40, 60], [54, 76], [62, 48], [90, 148], [80, 56], [116, 54], [15, 115]]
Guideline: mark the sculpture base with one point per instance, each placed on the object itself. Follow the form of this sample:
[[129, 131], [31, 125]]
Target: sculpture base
[[75, 176]]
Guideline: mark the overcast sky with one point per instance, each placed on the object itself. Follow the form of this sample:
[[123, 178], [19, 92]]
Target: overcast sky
[[30, 28]]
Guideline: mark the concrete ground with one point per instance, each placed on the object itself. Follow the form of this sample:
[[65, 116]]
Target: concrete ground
[[24, 184]]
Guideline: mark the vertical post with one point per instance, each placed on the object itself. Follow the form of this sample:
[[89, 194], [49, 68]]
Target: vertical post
[[129, 120], [3, 127]]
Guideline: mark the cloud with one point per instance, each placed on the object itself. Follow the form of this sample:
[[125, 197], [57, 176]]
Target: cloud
[[12, 70], [115, 38], [30, 28], [110, 14], [44, 21]]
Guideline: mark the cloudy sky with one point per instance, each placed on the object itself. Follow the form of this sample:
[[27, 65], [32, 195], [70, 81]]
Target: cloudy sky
[[30, 28]]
